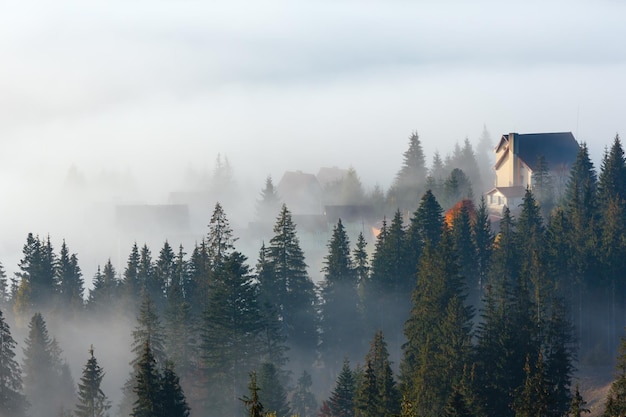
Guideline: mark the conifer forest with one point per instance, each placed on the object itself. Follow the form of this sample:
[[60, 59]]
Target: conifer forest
[[442, 311]]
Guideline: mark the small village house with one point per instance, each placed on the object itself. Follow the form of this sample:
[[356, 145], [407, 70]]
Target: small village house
[[516, 159]]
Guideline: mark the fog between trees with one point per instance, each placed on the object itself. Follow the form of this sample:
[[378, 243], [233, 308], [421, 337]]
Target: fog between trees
[[418, 314]]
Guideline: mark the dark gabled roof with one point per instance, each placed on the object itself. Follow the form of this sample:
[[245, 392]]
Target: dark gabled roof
[[557, 148]]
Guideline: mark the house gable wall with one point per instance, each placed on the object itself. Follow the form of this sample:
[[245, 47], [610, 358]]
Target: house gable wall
[[506, 165]]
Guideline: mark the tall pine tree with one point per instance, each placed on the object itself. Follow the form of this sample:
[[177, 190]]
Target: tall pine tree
[[147, 386], [230, 333], [272, 392], [411, 178], [173, 401], [91, 399], [46, 377], [286, 285], [341, 325], [341, 401], [12, 401], [438, 330], [69, 282]]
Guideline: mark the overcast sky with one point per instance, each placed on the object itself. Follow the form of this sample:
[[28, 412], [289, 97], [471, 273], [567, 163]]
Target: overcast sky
[[156, 87]]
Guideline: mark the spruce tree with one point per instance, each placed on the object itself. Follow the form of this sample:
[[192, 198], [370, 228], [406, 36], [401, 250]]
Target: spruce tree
[[580, 205], [230, 332], [612, 179], [172, 398], [182, 275], [360, 261], [467, 162], [559, 254], [4, 288], [91, 399], [103, 297], [147, 386], [612, 259], [220, 240], [269, 203], [374, 287], [163, 274], [148, 330], [37, 287], [387, 295], [180, 323], [495, 361], [559, 350], [273, 337], [146, 278], [466, 252], [530, 249], [69, 281], [411, 178], [517, 328], [367, 400], [387, 395], [426, 225], [482, 236], [581, 188], [612, 239], [12, 401], [341, 401], [438, 330], [437, 170], [342, 323], [131, 286], [285, 283], [272, 392], [197, 287], [47, 382], [456, 187]]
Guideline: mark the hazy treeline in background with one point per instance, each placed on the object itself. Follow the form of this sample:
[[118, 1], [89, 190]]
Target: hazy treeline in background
[[440, 313]]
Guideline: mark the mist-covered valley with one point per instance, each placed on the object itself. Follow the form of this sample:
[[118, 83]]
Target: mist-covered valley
[[354, 286], [223, 208]]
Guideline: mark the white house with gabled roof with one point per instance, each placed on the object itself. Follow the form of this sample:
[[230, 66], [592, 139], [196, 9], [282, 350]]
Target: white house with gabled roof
[[516, 159]]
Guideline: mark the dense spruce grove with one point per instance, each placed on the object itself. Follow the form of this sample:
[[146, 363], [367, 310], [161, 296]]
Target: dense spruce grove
[[444, 314]]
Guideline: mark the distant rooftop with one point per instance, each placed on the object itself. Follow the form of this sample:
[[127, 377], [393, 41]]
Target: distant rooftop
[[557, 148]]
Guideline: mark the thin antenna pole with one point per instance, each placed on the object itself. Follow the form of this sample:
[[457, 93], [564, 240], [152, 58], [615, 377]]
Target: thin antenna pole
[[577, 119]]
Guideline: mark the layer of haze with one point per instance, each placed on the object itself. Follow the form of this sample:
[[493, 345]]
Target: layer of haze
[[135, 95]]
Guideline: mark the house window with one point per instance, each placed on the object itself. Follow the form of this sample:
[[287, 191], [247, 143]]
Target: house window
[[499, 200]]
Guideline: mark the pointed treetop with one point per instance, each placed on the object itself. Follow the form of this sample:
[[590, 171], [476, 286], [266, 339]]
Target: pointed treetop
[[220, 238]]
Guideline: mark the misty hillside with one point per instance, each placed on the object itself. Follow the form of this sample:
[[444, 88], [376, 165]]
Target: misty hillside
[[415, 300]]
